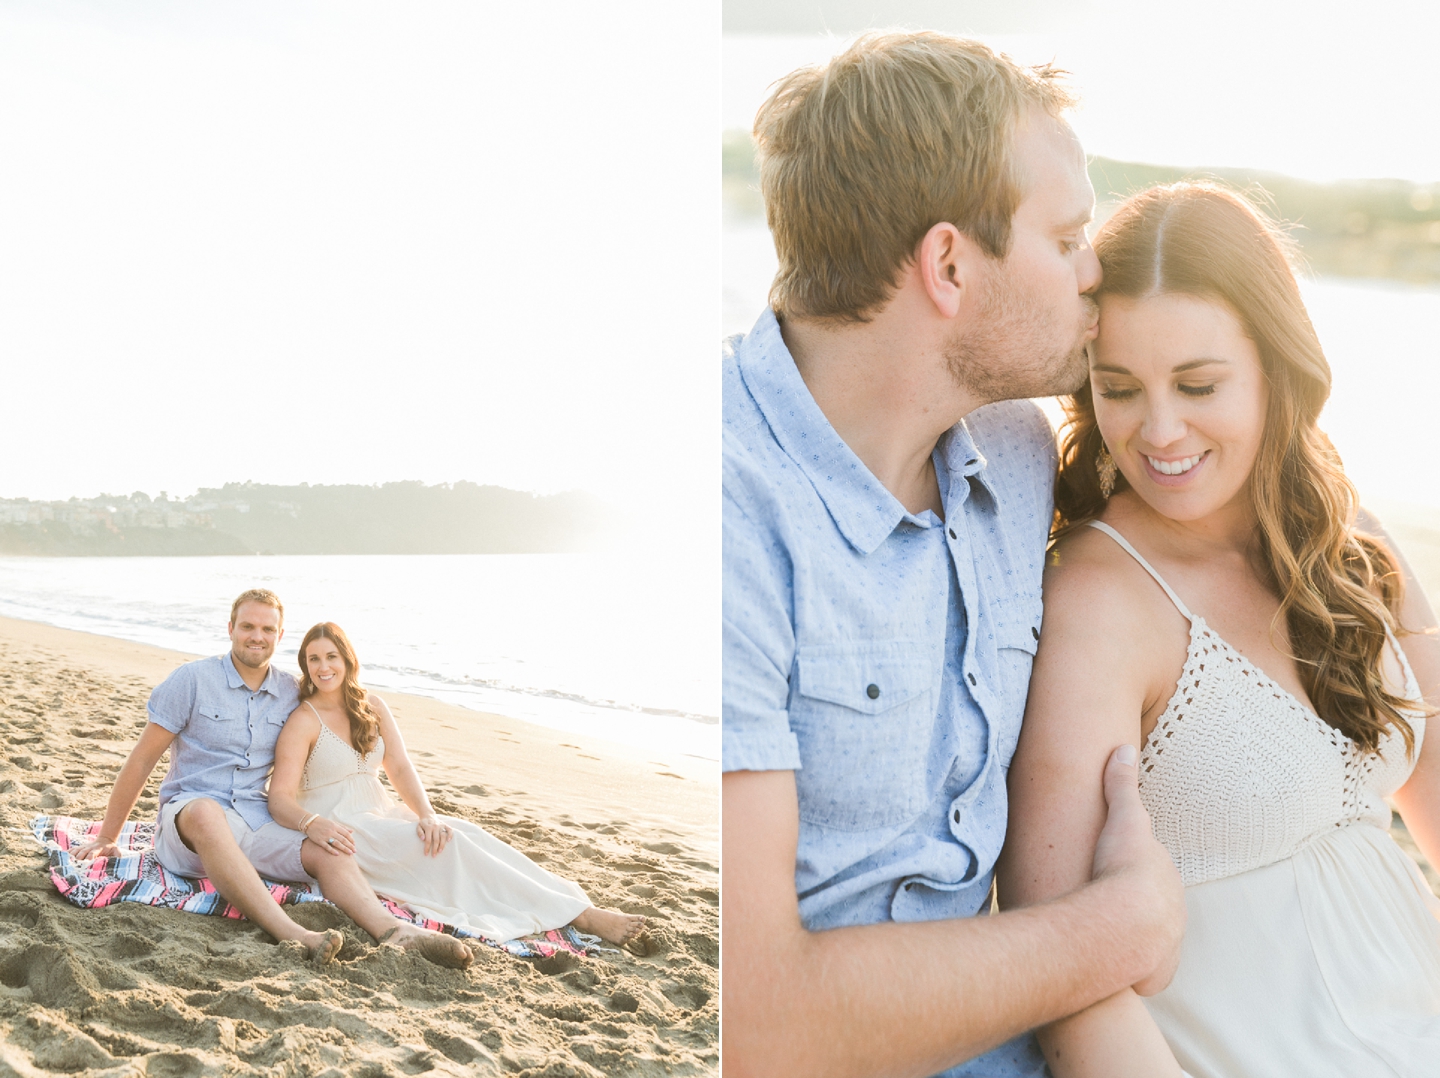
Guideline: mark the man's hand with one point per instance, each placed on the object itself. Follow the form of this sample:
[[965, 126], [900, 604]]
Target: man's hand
[[96, 847], [1127, 851]]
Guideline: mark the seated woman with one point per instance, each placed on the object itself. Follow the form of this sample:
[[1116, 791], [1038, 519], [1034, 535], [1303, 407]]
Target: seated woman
[[1229, 612], [325, 784]]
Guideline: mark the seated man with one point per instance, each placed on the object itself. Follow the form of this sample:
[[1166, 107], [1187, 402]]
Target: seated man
[[884, 534], [221, 717]]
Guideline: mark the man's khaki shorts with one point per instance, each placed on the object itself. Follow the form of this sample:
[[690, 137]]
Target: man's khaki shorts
[[272, 849]]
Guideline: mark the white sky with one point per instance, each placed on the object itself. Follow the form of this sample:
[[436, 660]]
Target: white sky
[[1320, 89], [358, 242]]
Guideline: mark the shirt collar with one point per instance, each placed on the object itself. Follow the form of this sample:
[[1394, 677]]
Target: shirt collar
[[864, 511], [235, 681], [958, 457]]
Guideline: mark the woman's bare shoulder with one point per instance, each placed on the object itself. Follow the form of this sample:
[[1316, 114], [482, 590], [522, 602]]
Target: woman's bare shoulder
[[1089, 576], [304, 718]]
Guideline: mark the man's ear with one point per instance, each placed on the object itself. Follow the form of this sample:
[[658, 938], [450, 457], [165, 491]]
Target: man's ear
[[948, 261]]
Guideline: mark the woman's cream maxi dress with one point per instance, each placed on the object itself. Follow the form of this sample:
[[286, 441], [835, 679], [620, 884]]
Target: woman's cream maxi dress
[[1313, 945], [476, 881]]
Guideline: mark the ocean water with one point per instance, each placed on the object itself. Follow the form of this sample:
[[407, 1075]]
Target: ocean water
[[623, 647]]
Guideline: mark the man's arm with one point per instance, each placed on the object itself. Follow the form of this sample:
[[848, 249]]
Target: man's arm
[[132, 778], [913, 999]]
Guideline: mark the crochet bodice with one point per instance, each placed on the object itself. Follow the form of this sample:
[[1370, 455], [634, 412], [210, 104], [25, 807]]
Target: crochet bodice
[[1238, 773], [333, 760]]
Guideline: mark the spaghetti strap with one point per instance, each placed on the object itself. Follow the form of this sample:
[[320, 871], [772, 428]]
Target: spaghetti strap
[[322, 721], [1113, 534]]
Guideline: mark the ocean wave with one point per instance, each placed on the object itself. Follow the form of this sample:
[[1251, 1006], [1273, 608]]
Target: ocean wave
[[550, 640], [492, 685]]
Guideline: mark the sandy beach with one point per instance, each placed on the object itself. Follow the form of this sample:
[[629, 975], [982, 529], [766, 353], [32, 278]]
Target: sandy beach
[[135, 990]]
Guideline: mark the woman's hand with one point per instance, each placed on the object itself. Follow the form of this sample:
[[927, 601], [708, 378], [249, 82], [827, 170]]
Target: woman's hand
[[433, 833], [330, 836], [96, 847]]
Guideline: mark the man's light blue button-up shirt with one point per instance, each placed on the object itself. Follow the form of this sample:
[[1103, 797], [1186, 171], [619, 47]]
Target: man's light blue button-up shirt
[[881, 655], [224, 747]]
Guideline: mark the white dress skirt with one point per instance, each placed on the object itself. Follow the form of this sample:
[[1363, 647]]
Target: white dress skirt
[[475, 882], [1324, 964], [1312, 947]]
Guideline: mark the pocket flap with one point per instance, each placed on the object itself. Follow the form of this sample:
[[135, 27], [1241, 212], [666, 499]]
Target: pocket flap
[[1017, 623], [208, 712], [868, 678]]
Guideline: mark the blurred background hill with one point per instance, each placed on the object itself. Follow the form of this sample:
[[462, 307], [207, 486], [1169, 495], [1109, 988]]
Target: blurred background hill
[[1385, 228], [259, 518]]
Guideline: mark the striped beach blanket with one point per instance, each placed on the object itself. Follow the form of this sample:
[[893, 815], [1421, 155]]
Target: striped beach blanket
[[138, 876]]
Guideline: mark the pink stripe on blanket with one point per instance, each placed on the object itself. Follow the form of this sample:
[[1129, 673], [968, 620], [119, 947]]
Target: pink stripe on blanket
[[96, 883]]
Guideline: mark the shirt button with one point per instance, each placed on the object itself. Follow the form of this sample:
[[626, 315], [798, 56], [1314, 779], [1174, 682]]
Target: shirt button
[[957, 815], [872, 691], [1035, 632], [972, 678], [953, 535]]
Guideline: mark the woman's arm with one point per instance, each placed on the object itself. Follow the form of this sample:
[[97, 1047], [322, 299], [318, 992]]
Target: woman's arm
[[407, 783], [292, 749], [1419, 799], [1090, 686]]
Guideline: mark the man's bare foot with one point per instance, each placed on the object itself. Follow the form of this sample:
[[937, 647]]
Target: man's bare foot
[[322, 947], [439, 948], [611, 925]]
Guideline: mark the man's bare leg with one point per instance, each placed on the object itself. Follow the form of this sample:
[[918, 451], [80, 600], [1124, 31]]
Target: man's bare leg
[[203, 826], [341, 883]]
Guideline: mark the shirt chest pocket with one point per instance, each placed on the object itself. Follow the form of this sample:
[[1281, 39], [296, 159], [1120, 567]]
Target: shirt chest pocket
[[217, 731], [864, 716], [1017, 635]]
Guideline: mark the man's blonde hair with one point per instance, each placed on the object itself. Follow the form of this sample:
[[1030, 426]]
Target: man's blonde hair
[[862, 156], [257, 595]]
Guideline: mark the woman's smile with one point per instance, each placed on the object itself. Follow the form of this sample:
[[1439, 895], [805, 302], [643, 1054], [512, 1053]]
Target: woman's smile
[[1174, 471], [1180, 400], [327, 666]]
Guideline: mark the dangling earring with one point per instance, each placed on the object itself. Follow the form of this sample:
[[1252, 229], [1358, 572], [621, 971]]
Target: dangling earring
[[1106, 470]]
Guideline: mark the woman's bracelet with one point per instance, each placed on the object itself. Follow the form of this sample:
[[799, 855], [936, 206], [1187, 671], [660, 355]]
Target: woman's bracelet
[[307, 821]]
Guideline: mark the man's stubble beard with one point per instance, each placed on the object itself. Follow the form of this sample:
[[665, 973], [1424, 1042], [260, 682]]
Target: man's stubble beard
[[1008, 353], [239, 655]]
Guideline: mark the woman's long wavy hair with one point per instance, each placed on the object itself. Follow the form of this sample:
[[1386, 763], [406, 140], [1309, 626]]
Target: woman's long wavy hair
[[1339, 589], [364, 723]]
